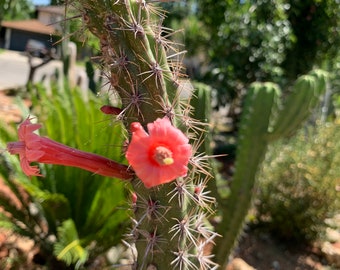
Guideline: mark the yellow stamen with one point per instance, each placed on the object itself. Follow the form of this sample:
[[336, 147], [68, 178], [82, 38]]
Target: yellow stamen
[[163, 156], [168, 161]]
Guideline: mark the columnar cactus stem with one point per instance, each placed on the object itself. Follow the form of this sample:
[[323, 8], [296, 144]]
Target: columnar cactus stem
[[263, 120], [153, 241], [168, 217], [252, 145], [134, 54]]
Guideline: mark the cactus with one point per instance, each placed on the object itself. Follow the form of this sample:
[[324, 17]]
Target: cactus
[[134, 54], [201, 102], [169, 221], [263, 121], [305, 95]]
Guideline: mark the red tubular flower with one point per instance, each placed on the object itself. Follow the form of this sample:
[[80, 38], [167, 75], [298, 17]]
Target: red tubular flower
[[159, 156], [33, 148]]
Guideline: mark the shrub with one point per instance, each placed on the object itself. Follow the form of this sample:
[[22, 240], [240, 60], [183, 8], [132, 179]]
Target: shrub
[[298, 183]]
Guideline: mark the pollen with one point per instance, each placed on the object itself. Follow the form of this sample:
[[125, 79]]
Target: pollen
[[163, 156]]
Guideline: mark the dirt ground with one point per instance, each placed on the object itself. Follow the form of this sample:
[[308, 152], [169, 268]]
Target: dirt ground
[[259, 251], [263, 252]]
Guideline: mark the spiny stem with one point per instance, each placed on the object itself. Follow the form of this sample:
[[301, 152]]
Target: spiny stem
[[169, 219]]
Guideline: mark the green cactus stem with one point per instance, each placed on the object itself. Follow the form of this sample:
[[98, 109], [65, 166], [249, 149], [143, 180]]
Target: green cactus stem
[[168, 221], [299, 104], [262, 121], [134, 53], [252, 145], [201, 103]]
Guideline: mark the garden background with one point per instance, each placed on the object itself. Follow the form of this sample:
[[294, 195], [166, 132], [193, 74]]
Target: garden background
[[72, 217]]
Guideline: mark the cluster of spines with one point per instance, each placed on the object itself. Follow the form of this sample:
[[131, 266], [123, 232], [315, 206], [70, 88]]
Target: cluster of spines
[[144, 68], [134, 55], [189, 231]]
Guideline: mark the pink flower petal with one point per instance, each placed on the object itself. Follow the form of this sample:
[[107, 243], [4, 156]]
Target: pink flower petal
[[164, 137]]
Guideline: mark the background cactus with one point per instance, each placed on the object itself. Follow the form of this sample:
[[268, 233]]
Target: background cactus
[[300, 102], [200, 101], [263, 120]]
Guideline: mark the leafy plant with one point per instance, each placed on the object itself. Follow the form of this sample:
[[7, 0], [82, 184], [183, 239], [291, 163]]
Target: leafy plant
[[76, 208], [298, 183], [239, 42]]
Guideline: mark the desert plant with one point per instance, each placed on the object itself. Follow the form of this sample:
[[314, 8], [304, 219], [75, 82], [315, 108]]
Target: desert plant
[[83, 212], [264, 119], [298, 182]]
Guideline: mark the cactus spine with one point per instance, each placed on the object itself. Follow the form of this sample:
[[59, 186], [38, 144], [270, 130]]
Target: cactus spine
[[262, 121], [168, 222]]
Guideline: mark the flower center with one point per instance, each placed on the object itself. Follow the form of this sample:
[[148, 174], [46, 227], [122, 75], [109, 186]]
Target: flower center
[[163, 156]]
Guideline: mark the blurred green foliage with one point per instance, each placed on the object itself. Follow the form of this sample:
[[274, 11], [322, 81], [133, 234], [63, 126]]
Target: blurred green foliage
[[248, 44], [72, 215], [315, 25], [234, 43], [15, 9], [299, 184]]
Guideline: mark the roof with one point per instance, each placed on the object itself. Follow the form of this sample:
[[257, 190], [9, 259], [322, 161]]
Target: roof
[[30, 26], [60, 10]]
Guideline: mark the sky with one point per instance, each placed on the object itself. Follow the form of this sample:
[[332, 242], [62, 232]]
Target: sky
[[41, 2]]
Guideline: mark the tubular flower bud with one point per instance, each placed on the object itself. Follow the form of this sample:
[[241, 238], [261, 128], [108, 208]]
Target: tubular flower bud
[[34, 148]]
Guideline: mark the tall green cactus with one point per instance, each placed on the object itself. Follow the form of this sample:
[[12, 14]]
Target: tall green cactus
[[306, 93], [201, 103], [168, 221], [263, 120]]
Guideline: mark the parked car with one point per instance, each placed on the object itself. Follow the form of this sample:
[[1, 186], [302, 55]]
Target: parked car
[[36, 48]]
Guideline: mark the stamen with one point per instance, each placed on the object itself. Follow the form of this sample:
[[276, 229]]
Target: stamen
[[163, 156]]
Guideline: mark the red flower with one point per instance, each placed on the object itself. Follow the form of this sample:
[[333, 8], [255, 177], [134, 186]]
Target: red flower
[[160, 156], [33, 148]]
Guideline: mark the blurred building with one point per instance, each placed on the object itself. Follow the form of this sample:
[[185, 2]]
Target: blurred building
[[38, 34]]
